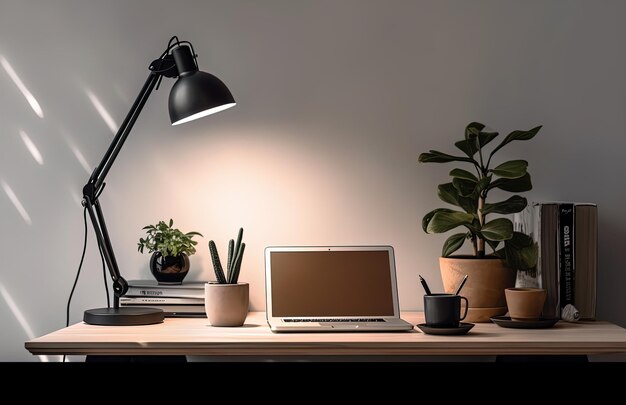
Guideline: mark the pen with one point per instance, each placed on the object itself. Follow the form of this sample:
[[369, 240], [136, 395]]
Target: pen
[[425, 286], [458, 290]]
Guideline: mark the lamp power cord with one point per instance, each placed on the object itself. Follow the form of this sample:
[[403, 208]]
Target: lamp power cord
[[80, 266]]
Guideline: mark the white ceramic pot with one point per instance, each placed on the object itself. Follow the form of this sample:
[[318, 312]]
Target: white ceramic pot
[[226, 304]]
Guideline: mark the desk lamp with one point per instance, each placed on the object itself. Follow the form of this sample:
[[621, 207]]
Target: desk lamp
[[195, 94]]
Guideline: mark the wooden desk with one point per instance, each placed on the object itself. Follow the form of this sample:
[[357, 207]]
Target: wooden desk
[[194, 336]]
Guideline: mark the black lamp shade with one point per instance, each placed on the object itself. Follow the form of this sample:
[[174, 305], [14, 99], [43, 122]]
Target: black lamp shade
[[198, 94]]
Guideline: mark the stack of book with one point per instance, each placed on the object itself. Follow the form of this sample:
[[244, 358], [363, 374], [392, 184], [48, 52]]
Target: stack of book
[[182, 300], [567, 237]]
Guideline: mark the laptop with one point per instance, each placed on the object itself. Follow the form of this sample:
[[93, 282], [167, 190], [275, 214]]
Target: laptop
[[332, 289]]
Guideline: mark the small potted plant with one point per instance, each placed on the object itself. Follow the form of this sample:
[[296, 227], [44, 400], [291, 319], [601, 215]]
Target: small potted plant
[[170, 250], [490, 273], [226, 300]]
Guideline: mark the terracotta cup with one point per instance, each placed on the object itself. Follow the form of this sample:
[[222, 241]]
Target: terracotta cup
[[226, 304], [525, 303]]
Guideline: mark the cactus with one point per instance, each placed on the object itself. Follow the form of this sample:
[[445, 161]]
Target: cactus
[[217, 265], [229, 266], [237, 245], [237, 265], [233, 264]]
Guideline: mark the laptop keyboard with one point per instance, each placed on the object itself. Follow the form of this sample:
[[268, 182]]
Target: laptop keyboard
[[336, 320]]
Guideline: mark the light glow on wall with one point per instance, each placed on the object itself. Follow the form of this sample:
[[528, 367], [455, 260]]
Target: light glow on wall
[[32, 101], [106, 117], [16, 202], [76, 197], [81, 158], [31, 147]]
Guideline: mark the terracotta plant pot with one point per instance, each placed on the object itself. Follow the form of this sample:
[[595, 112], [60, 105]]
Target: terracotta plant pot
[[226, 304], [525, 304], [487, 279]]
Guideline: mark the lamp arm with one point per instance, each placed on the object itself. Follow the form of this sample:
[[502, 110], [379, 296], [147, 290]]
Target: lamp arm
[[163, 66], [99, 174]]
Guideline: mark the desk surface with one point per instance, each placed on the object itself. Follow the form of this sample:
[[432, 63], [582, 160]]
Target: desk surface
[[194, 336]]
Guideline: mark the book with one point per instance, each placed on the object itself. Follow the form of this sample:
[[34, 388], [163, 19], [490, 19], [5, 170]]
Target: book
[[549, 259], [586, 254], [568, 273], [151, 288], [161, 300], [567, 269], [177, 310], [171, 306]]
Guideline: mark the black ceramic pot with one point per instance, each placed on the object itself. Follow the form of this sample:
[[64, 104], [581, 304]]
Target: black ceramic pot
[[169, 269]]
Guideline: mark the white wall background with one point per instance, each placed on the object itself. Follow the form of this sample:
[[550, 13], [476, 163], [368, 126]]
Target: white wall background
[[336, 101]]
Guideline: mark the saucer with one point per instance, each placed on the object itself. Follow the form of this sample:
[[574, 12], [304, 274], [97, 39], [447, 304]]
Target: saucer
[[541, 323], [462, 329]]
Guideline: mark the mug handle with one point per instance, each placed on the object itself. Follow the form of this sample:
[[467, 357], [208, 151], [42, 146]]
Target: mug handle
[[466, 307]]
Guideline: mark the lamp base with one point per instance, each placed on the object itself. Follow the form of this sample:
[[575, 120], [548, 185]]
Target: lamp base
[[126, 316]]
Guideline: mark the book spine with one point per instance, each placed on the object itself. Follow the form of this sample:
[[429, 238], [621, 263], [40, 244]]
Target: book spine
[[548, 257], [566, 253], [181, 310], [161, 300], [165, 292]]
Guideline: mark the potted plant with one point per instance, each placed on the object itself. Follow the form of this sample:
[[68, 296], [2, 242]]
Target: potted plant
[[489, 272], [170, 250], [226, 300]]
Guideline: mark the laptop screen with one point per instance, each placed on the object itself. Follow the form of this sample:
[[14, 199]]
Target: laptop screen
[[331, 283]]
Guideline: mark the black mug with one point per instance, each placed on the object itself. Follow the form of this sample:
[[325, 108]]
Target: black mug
[[444, 310]]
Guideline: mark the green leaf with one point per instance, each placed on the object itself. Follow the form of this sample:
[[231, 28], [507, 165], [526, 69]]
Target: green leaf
[[518, 185], [512, 169], [497, 229], [463, 174], [469, 204], [429, 216], [520, 240], [472, 130], [444, 221], [510, 206], [468, 147], [483, 184], [521, 252], [474, 227], [453, 243], [493, 244], [517, 136], [447, 193], [434, 156], [464, 187], [167, 240], [485, 137]]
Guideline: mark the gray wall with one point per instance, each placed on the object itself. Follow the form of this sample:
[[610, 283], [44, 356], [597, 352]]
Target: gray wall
[[336, 101]]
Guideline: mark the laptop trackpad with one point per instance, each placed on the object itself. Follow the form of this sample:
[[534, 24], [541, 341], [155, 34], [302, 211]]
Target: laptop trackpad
[[344, 326]]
